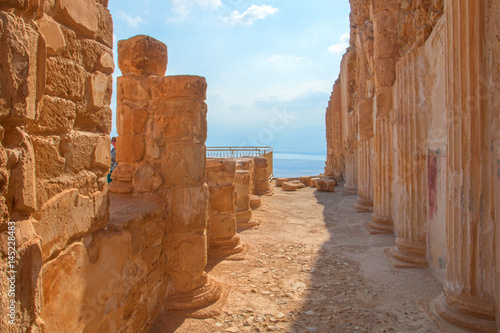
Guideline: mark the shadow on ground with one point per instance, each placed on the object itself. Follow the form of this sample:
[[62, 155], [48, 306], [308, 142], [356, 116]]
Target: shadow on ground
[[353, 287]]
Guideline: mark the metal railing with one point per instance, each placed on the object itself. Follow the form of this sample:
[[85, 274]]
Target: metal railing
[[237, 152]]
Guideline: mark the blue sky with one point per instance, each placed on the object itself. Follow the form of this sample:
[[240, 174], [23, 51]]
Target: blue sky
[[270, 65]]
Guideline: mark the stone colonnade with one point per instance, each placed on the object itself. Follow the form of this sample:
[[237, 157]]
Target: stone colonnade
[[435, 129]]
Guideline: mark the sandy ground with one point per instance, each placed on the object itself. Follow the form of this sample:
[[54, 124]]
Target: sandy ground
[[313, 267]]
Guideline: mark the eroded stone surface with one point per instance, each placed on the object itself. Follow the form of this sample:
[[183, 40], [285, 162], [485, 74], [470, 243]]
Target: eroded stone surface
[[142, 55]]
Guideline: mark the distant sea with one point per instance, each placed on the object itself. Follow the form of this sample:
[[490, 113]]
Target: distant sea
[[295, 165]]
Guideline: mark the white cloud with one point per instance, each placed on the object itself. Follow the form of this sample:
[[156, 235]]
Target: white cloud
[[252, 14], [132, 21], [183, 7], [283, 59], [341, 45]]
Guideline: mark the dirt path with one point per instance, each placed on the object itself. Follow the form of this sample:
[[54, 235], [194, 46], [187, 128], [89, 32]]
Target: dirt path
[[313, 267]]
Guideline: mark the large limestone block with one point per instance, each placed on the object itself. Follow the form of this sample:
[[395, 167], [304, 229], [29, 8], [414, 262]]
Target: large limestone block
[[22, 74], [81, 287], [100, 89], [187, 209], [93, 119], [179, 121], [55, 115], [49, 162], [21, 182], [325, 185], [306, 180], [66, 215], [106, 63], [178, 86], [102, 153], [51, 31], [81, 15], [65, 79], [142, 55], [220, 172], [105, 27], [222, 198], [80, 150], [290, 186]]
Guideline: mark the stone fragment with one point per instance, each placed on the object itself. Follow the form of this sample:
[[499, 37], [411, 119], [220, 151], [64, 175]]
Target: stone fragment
[[142, 55], [106, 63], [65, 79], [54, 38], [79, 149], [53, 217], [80, 15], [102, 153], [325, 185], [306, 180], [22, 74], [100, 90], [290, 186], [78, 292], [49, 162], [55, 115], [280, 181], [105, 27], [313, 181], [93, 119]]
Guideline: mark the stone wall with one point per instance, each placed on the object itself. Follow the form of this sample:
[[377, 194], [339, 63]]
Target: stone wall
[[55, 90], [428, 96]]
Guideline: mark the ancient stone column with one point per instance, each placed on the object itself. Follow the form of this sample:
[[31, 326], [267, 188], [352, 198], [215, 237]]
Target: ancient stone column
[[411, 120], [329, 142], [262, 185], [223, 239], [242, 187], [162, 130], [349, 123], [468, 297], [385, 15], [351, 173], [365, 148]]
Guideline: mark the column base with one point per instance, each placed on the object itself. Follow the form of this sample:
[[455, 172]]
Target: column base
[[408, 254], [199, 298], [381, 224], [225, 247], [349, 190], [244, 220], [364, 205], [466, 311]]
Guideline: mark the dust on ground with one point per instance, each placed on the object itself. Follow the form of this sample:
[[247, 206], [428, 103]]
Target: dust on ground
[[313, 267]]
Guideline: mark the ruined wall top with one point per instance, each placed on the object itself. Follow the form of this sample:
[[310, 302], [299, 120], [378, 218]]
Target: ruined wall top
[[142, 55]]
